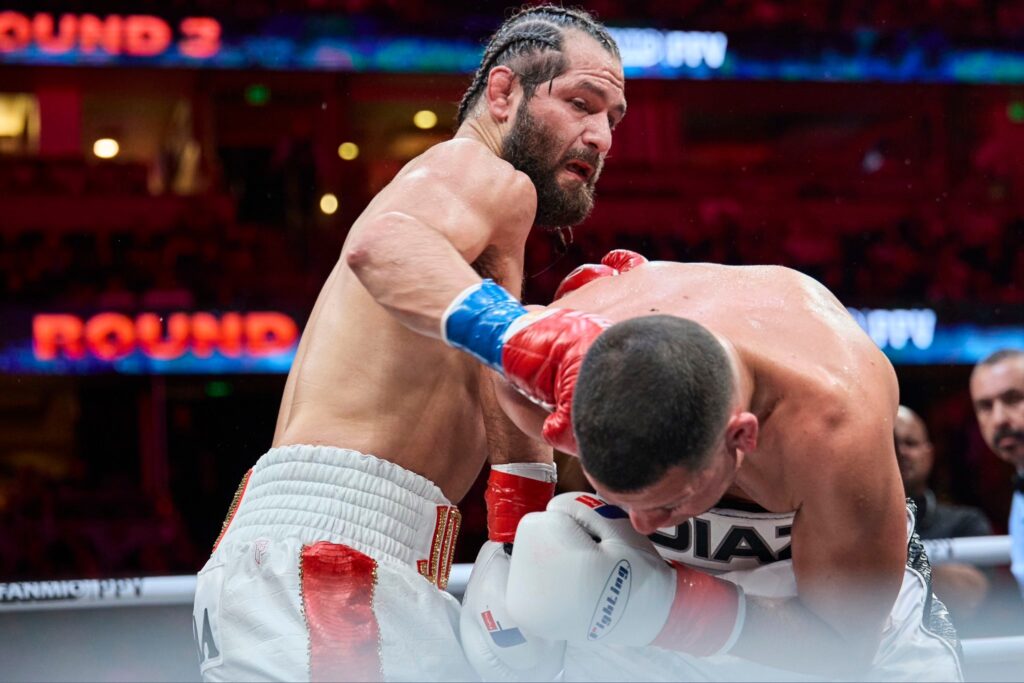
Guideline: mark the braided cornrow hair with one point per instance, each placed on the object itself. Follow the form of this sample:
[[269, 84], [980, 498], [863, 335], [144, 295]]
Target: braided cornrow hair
[[533, 31]]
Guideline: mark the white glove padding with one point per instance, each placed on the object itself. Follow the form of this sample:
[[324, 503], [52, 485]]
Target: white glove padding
[[494, 645], [580, 572]]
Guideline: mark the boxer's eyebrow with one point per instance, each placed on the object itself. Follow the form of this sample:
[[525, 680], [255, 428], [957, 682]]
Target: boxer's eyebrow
[[590, 86]]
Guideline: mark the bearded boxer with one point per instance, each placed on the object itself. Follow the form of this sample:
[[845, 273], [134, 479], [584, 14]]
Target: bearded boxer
[[335, 554], [742, 418]]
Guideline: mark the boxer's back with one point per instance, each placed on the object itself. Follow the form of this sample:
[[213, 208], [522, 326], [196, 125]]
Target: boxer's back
[[363, 381], [813, 366]]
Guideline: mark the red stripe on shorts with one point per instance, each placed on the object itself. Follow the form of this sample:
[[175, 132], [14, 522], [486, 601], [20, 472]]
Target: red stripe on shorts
[[338, 584]]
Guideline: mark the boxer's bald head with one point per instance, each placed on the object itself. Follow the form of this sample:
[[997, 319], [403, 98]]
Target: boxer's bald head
[[654, 394]]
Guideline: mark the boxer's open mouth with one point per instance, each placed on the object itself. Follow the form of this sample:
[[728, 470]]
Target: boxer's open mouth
[[581, 169]]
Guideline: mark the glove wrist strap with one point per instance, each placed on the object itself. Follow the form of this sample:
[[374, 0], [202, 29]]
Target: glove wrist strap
[[706, 616], [511, 496], [477, 319]]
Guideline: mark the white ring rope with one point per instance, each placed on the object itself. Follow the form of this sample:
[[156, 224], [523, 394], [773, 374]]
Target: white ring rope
[[982, 551], [992, 650], [23, 596]]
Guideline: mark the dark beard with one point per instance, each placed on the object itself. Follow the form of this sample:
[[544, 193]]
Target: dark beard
[[1005, 431], [528, 148]]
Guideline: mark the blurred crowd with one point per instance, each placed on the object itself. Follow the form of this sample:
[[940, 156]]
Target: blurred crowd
[[195, 265], [205, 259], [908, 262], [74, 528], [968, 18]]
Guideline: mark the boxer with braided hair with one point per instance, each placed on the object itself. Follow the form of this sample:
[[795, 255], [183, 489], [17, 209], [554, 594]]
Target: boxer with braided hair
[[531, 43], [536, 45], [333, 559]]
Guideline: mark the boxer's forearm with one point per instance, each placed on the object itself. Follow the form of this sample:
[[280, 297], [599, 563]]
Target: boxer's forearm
[[524, 424], [782, 632], [410, 269]]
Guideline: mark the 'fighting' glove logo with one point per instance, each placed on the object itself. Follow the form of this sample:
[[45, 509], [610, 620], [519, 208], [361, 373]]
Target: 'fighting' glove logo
[[609, 610]]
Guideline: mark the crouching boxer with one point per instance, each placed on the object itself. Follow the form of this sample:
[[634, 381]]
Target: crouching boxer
[[743, 413]]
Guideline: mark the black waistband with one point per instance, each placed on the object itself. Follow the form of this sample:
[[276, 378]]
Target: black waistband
[[740, 505]]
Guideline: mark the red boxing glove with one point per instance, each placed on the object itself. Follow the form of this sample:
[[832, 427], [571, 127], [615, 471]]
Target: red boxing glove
[[543, 358], [623, 260], [513, 490], [581, 276], [613, 263]]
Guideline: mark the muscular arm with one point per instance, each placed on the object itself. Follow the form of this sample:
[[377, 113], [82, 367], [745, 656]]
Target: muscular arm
[[412, 269], [506, 440], [849, 549], [413, 252]]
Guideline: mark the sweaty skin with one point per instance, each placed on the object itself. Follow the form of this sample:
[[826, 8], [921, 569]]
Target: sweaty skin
[[370, 373], [363, 381], [825, 398]]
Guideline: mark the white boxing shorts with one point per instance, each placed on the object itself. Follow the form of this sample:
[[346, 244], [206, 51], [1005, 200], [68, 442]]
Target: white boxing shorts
[[331, 566], [751, 548]]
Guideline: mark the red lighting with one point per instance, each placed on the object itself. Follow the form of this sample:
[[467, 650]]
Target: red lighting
[[112, 336], [138, 35]]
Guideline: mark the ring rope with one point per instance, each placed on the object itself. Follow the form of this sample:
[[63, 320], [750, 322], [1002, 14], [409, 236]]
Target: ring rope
[[23, 596]]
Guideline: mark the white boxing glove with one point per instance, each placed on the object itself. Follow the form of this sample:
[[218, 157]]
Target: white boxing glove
[[494, 645], [581, 573]]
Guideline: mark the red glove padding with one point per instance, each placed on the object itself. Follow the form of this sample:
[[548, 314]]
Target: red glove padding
[[706, 614], [623, 260], [543, 360], [613, 263], [510, 496], [581, 572]]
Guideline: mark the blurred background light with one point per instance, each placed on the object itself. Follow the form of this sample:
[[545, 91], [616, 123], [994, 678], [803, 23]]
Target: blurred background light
[[424, 119], [329, 204], [218, 389], [348, 151], [1015, 111], [257, 94], [106, 148]]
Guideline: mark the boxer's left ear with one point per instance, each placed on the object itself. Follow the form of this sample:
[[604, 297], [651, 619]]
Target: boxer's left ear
[[741, 433], [501, 93]]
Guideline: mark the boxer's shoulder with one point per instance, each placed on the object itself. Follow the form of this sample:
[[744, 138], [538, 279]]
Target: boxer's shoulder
[[814, 442], [470, 161], [468, 171]]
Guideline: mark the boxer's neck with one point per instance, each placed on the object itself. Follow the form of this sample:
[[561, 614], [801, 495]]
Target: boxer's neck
[[742, 375], [482, 130]]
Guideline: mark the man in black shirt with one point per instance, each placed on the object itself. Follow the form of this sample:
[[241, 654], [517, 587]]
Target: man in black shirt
[[916, 456], [961, 586]]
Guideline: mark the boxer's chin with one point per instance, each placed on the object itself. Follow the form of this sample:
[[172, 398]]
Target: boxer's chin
[[563, 202]]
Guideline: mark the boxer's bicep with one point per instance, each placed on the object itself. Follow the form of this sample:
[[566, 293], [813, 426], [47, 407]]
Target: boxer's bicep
[[466, 221], [413, 247], [849, 537]]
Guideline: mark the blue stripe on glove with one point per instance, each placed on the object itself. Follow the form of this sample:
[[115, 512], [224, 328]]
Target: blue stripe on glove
[[478, 322]]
